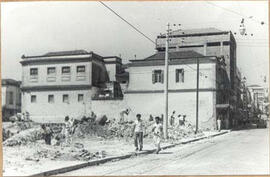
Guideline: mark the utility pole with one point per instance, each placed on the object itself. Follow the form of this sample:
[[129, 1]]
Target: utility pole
[[197, 97], [165, 120]]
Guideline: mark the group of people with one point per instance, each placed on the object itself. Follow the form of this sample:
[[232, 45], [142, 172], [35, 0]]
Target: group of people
[[67, 131], [180, 121], [138, 133]]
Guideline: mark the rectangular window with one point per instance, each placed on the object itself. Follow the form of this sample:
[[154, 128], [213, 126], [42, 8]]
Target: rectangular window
[[157, 76], [33, 98], [51, 70], [66, 70], [65, 99], [179, 75], [50, 98], [80, 69], [80, 97], [33, 71], [10, 98]]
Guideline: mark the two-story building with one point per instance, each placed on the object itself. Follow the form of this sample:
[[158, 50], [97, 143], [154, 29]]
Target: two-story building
[[145, 92], [11, 98], [58, 84]]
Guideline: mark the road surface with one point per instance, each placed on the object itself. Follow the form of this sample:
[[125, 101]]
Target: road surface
[[237, 153]]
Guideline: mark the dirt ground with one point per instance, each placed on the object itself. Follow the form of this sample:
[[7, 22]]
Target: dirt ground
[[34, 156], [15, 163]]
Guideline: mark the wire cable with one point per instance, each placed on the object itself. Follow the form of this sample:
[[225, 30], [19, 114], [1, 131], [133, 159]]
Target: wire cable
[[127, 22], [234, 12]]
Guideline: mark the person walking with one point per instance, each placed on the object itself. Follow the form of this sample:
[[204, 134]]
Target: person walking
[[157, 129], [47, 134], [219, 123], [138, 133], [68, 130]]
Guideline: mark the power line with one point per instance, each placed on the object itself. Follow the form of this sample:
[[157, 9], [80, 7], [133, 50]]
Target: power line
[[146, 35], [234, 12], [127, 22]]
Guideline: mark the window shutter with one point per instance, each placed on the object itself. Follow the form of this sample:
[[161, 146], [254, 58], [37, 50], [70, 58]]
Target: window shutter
[[162, 76], [153, 76], [176, 76]]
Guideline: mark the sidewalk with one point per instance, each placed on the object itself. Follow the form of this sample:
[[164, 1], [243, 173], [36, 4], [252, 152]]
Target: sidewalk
[[116, 151]]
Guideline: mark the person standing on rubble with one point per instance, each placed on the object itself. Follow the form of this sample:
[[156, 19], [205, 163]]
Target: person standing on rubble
[[47, 134], [138, 133], [172, 118], [122, 115], [157, 129], [68, 130]]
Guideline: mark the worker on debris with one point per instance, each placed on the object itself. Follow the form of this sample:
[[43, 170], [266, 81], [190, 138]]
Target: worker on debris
[[47, 134], [219, 122], [172, 118], [122, 115], [157, 129], [138, 132], [68, 130]]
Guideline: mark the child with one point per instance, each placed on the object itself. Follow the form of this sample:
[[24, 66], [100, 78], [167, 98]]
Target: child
[[157, 129]]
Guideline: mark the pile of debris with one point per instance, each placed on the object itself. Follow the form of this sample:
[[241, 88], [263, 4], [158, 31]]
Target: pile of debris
[[24, 137], [68, 153], [183, 131], [14, 128]]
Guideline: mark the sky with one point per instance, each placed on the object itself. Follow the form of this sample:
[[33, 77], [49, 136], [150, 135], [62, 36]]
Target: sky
[[35, 28]]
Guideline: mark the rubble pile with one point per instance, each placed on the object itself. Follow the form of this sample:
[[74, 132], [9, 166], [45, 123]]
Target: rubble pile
[[24, 137], [178, 132], [64, 154], [15, 128]]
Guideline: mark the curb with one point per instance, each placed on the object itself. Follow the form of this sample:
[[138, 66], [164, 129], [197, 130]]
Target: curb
[[108, 159]]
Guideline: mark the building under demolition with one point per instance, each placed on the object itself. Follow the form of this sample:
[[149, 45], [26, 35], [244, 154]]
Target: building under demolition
[[75, 83]]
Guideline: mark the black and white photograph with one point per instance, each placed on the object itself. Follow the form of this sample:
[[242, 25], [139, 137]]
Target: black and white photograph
[[123, 88]]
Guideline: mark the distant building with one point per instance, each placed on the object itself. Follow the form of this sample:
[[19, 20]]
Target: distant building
[[58, 84], [145, 92], [259, 97], [11, 98]]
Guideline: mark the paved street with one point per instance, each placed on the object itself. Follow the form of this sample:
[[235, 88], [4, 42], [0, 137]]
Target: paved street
[[239, 152]]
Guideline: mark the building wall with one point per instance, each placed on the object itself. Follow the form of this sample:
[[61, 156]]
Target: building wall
[[140, 78], [6, 97], [3, 93], [153, 103], [73, 78], [228, 51], [111, 69], [43, 111]]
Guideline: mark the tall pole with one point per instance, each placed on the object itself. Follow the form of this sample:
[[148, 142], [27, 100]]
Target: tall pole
[[165, 121], [197, 97]]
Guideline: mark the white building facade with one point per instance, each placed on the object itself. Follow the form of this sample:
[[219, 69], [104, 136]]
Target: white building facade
[[61, 84]]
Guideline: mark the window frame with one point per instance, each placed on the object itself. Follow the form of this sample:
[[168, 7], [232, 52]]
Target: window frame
[[80, 96], [52, 98], [64, 67], [178, 73], [33, 100], [157, 76], [63, 98], [33, 73], [48, 68], [80, 66]]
